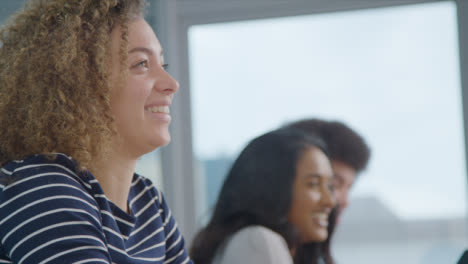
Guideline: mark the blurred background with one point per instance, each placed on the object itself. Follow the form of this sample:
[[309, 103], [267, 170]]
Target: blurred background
[[393, 70]]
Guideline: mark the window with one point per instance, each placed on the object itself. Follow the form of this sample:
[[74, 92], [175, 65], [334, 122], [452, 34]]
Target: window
[[150, 166], [392, 74]]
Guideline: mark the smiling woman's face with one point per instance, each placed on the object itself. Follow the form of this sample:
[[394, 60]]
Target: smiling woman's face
[[312, 195], [140, 105]]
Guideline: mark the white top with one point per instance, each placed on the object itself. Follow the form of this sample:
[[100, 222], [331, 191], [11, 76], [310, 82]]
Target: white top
[[254, 245]]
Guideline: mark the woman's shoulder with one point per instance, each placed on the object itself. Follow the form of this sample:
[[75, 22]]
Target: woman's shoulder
[[258, 236], [39, 162], [255, 244], [39, 170], [257, 232]]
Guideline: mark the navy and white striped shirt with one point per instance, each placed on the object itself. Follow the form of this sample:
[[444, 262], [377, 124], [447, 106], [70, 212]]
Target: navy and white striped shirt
[[51, 214]]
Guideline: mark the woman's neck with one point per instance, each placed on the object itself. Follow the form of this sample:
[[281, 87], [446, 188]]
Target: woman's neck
[[115, 173]]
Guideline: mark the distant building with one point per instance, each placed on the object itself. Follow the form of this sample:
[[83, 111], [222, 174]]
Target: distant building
[[368, 219], [215, 173]]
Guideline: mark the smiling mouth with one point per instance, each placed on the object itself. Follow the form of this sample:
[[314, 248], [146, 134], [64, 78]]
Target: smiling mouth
[[322, 222], [321, 219], [158, 109]]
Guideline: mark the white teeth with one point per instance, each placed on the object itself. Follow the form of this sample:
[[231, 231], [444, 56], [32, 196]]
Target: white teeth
[[321, 219], [323, 222], [158, 109]]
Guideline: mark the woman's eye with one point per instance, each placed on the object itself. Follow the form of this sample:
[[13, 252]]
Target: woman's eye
[[313, 184], [337, 183], [143, 64], [165, 66]]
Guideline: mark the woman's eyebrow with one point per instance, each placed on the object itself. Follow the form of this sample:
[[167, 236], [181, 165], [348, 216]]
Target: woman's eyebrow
[[142, 49], [313, 175]]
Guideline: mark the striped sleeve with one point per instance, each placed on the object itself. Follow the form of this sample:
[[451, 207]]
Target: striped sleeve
[[175, 244], [46, 216]]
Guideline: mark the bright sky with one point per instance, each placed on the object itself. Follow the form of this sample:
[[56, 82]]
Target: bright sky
[[392, 74]]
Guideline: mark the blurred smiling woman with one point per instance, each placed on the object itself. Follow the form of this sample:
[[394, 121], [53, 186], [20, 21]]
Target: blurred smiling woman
[[83, 95], [274, 203]]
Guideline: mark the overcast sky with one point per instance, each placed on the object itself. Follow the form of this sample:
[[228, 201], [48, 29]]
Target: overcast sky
[[392, 74]]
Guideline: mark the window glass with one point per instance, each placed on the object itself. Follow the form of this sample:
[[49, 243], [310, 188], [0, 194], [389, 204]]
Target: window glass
[[8, 7], [392, 74], [150, 166]]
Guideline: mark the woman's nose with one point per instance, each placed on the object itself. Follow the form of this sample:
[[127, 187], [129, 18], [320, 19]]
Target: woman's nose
[[166, 83], [328, 198]]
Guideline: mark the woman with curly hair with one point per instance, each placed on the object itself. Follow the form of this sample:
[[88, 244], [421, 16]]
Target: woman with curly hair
[[274, 205], [83, 95]]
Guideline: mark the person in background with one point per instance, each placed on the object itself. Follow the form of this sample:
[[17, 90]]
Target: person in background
[[83, 95], [349, 154], [276, 199]]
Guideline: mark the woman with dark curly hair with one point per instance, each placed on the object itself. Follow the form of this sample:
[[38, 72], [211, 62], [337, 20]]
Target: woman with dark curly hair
[[83, 95], [274, 204]]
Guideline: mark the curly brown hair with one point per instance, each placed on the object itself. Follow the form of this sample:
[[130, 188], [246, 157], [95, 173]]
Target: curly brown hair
[[54, 90]]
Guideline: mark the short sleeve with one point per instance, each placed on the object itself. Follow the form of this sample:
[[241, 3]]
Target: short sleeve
[[47, 216], [255, 245]]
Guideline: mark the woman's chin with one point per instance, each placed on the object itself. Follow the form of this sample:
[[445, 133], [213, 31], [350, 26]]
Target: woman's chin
[[161, 141], [318, 236]]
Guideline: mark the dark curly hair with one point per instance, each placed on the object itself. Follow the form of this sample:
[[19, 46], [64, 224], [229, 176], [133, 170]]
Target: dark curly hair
[[54, 90], [343, 143]]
